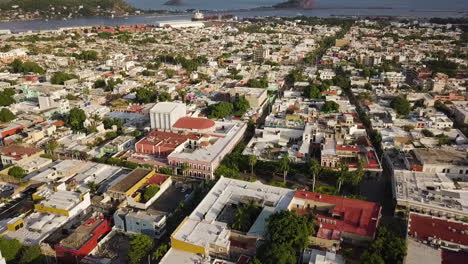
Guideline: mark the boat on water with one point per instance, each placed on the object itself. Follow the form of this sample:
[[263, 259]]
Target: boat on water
[[199, 16]]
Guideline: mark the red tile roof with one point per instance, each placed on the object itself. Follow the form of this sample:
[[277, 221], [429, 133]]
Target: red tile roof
[[157, 179], [426, 227], [17, 152], [358, 217], [194, 123], [451, 257], [347, 148], [164, 141]]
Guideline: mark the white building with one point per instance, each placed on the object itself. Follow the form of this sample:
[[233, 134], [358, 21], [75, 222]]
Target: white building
[[164, 115], [180, 24], [49, 102], [315, 256]]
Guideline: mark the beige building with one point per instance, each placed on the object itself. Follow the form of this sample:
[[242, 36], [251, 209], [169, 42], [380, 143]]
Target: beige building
[[255, 96]]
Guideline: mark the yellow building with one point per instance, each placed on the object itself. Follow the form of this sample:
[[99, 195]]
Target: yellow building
[[127, 186]]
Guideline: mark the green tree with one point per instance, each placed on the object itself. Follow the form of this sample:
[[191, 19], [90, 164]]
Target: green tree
[[150, 191], [87, 55], [17, 172], [284, 165], [10, 248], [241, 106], [277, 254], [140, 246], [5, 99], [358, 174], [100, 83], [312, 92], [287, 235], [314, 168], [255, 260], [258, 83], [245, 216], [225, 171], [387, 247], [17, 66], [76, 119], [401, 105], [146, 95], [6, 115], [220, 110], [31, 254], [62, 77], [52, 146], [330, 106], [343, 175], [164, 96], [159, 252], [252, 162]]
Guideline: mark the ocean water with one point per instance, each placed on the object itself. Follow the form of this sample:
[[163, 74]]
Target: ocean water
[[246, 4], [241, 8]]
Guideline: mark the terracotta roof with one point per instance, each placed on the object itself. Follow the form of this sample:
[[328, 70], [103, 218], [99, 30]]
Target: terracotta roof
[[166, 141], [358, 217], [451, 257], [347, 148], [194, 123], [426, 227], [157, 179], [17, 152]]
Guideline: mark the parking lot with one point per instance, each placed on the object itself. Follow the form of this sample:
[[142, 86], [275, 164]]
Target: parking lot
[[171, 198]]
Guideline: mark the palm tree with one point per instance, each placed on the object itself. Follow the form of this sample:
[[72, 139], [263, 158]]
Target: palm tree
[[358, 174], [284, 165], [252, 162], [241, 219], [52, 146], [268, 151], [342, 175], [315, 168], [184, 167]]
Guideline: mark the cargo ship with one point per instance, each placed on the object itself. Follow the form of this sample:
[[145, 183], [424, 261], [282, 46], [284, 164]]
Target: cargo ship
[[199, 16]]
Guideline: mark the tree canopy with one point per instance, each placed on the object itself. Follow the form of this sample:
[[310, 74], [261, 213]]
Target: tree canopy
[[87, 55], [17, 172], [18, 66], [10, 248], [76, 119], [220, 110], [258, 83], [62, 77], [287, 235], [146, 95], [6, 97], [245, 216], [150, 191], [386, 248], [241, 106], [31, 254], [330, 106], [6, 115], [401, 105], [140, 246]]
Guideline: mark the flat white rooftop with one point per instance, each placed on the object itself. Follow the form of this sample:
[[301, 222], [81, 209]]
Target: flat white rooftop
[[166, 107]]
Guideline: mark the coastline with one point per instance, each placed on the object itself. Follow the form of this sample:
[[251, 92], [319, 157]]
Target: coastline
[[153, 16]]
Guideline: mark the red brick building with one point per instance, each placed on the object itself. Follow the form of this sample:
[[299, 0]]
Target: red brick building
[[162, 143], [83, 240], [338, 218]]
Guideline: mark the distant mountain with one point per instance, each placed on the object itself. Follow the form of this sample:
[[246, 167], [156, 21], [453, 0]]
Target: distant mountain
[[57, 8], [173, 2], [296, 4]]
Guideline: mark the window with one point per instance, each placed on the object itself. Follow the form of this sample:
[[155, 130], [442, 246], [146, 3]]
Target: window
[[137, 223]]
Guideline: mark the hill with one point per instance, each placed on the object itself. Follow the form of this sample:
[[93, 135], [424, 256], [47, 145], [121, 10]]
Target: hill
[[64, 8]]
